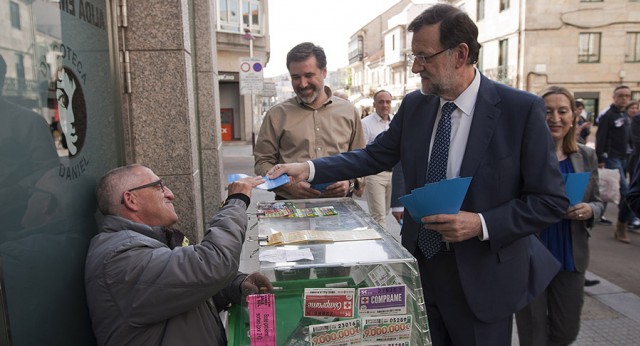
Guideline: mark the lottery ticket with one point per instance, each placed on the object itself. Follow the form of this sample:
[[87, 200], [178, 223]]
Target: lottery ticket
[[386, 300], [262, 319], [376, 330], [329, 302], [341, 333]]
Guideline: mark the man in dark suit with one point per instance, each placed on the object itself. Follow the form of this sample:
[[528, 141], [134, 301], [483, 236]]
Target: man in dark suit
[[489, 262]]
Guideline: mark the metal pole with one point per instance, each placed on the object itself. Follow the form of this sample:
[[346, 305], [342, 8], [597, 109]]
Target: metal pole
[[253, 120]]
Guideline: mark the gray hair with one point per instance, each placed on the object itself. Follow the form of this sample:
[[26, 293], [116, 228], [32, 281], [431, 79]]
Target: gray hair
[[112, 187]]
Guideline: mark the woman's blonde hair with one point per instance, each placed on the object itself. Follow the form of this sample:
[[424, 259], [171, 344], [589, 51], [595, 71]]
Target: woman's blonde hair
[[569, 143]]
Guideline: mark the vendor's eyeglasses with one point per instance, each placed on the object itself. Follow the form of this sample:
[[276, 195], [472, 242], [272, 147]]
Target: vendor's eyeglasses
[[152, 184]]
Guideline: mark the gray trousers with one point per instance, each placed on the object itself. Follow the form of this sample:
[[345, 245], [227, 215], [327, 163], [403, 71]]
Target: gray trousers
[[553, 318]]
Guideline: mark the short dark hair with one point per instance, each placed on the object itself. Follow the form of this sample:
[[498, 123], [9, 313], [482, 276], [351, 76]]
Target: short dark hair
[[620, 87], [305, 50], [455, 27], [379, 92], [579, 104]]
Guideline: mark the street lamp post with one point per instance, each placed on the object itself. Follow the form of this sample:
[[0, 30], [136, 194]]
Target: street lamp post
[[248, 36]]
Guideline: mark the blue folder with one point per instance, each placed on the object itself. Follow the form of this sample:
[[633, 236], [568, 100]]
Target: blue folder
[[442, 197], [268, 185], [575, 185]]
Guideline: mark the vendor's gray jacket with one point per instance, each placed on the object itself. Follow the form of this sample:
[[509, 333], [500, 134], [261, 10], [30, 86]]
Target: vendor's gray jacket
[[142, 292]]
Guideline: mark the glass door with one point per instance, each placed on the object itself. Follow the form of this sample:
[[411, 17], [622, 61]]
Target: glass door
[[60, 131]]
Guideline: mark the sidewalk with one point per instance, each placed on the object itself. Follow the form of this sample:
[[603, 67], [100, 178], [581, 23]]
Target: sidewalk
[[611, 315]]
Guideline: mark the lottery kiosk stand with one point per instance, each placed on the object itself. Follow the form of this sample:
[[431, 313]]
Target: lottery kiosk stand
[[339, 279]]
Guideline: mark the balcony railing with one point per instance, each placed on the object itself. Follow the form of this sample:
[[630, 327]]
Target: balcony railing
[[502, 74]]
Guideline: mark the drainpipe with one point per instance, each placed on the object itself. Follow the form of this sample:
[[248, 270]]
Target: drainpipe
[[528, 85]]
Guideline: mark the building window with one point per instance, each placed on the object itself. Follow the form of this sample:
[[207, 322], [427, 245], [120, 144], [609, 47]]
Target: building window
[[635, 95], [503, 59], [480, 10], [589, 47], [14, 8], [251, 15], [230, 11], [504, 5], [632, 52], [356, 49], [20, 76]]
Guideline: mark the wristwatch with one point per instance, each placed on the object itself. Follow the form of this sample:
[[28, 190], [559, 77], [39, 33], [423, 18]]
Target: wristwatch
[[352, 185]]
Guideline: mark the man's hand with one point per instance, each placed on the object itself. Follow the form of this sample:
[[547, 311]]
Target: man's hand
[[245, 185], [296, 171], [455, 227], [255, 283], [338, 189]]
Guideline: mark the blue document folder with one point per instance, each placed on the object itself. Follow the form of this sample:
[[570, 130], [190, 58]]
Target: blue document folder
[[269, 184], [321, 187], [575, 185], [442, 197]]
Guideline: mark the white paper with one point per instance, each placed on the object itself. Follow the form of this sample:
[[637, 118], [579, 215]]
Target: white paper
[[285, 255]]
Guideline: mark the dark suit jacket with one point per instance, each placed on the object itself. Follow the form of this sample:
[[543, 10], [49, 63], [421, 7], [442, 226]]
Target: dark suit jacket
[[516, 185], [397, 186]]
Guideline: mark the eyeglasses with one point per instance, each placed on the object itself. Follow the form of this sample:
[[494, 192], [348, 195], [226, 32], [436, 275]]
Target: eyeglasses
[[422, 59], [152, 184]]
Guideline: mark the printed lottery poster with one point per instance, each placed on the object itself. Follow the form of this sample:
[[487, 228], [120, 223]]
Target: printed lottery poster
[[386, 300], [386, 329], [329, 302], [341, 333], [262, 319]]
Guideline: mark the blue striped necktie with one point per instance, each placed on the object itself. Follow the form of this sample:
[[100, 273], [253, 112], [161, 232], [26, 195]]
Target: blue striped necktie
[[430, 241]]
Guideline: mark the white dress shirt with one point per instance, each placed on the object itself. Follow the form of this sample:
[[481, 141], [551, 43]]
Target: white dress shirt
[[373, 125], [461, 119]]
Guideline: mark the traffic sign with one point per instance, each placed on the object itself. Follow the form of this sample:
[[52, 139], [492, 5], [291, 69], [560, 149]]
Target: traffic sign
[[251, 78]]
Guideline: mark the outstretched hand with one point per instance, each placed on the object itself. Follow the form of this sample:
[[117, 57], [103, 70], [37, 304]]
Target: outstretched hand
[[245, 185], [297, 171]]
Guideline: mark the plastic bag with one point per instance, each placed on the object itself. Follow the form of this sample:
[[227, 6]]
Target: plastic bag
[[609, 185]]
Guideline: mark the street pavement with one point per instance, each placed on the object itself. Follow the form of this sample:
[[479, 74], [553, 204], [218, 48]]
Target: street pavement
[[611, 314]]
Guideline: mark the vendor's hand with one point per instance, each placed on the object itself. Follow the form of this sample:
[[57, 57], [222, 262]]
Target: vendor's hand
[[256, 283], [296, 171], [337, 189], [580, 211], [245, 185], [455, 227]]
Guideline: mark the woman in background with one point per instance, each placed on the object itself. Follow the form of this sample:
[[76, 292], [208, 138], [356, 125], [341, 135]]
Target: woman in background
[[554, 317]]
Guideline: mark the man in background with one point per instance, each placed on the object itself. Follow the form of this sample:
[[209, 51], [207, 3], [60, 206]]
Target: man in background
[[613, 146], [310, 125], [378, 191]]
